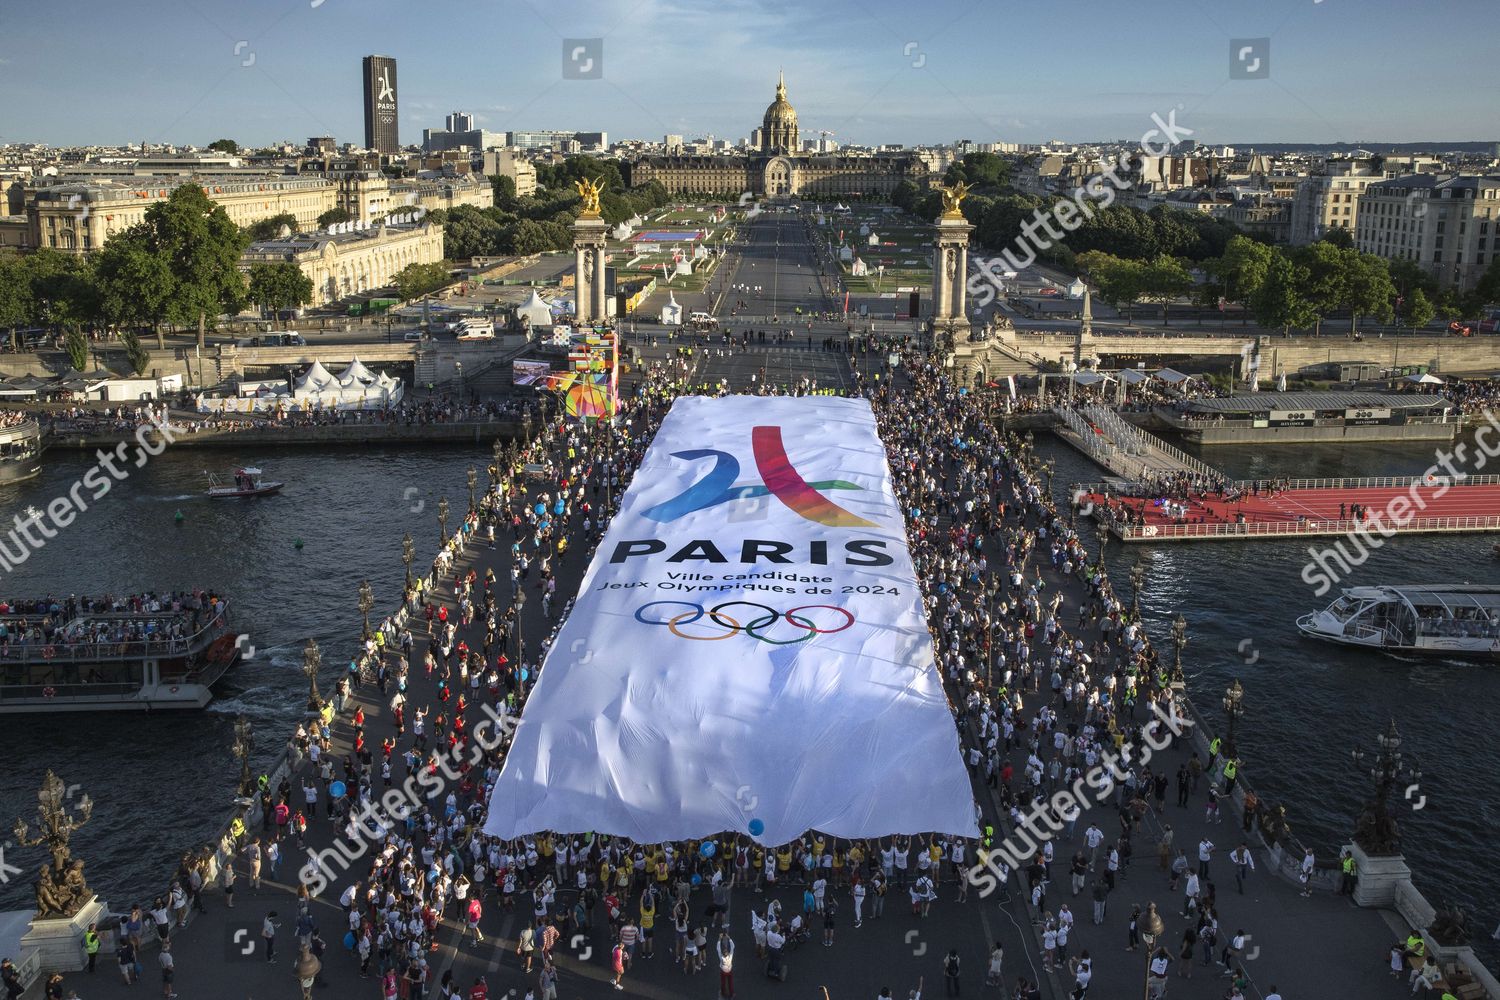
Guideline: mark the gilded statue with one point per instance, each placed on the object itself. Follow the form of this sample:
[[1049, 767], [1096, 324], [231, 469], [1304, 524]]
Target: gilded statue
[[589, 190], [951, 197], [61, 890]]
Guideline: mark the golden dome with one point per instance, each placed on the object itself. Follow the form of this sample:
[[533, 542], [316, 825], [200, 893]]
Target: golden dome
[[780, 122]]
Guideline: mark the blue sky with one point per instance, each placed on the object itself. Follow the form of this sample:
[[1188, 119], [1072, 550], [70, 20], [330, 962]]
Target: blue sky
[[78, 71]]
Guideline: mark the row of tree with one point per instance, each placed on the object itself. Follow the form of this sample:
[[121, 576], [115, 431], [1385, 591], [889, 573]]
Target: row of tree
[[1292, 287], [544, 221]]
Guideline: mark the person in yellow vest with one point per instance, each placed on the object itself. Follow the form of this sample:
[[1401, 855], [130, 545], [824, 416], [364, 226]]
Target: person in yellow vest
[[91, 945], [1350, 872], [237, 831], [648, 922], [1231, 771], [1415, 946], [1213, 751]]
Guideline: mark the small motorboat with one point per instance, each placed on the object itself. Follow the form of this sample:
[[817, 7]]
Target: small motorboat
[[247, 483]]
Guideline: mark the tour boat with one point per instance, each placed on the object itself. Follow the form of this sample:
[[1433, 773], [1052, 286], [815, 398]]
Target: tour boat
[[1436, 619], [20, 451], [247, 483], [114, 660]]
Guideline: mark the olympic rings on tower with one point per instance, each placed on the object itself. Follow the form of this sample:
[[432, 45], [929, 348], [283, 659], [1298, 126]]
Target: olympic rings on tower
[[755, 628]]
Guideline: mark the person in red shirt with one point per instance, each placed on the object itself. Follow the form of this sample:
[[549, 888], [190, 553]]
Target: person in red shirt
[[480, 990], [476, 910]]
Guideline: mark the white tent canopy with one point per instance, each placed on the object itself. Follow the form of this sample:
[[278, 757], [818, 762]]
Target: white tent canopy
[[535, 310], [1131, 376], [1426, 378], [1171, 376], [1089, 378], [356, 373]]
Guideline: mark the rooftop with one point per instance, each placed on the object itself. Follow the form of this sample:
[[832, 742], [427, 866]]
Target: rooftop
[[1261, 402]]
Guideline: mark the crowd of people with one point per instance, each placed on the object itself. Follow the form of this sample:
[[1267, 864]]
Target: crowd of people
[[1047, 670], [77, 621]]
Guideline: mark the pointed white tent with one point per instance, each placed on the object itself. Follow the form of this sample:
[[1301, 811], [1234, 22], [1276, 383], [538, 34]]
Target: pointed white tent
[[356, 373], [315, 379], [535, 310]]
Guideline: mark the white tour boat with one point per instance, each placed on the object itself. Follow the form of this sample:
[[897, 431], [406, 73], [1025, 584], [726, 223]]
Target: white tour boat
[[1439, 619]]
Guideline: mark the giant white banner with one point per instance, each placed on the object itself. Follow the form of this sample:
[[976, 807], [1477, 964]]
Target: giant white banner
[[748, 651]]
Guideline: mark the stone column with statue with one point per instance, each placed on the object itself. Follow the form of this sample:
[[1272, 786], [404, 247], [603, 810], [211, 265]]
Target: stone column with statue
[[950, 324], [589, 291], [65, 906]]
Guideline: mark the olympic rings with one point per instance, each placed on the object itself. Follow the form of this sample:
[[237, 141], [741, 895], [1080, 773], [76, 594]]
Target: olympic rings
[[754, 628]]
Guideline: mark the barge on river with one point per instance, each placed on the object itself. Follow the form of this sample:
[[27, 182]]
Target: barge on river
[[55, 660], [1438, 620]]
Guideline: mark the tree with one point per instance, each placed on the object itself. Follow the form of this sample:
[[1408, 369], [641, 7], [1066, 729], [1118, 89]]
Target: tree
[[1326, 286], [1163, 280], [529, 237], [416, 280], [225, 146], [1487, 288], [277, 285], [505, 189], [139, 357], [202, 248], [334, 217], [135, 283], [1121, 283], [1367, 287], [1340, 237], [1277, 300], [269, 229], [77, 346], [905, 195], [1242, 268], [1417, 310], [15, 296]]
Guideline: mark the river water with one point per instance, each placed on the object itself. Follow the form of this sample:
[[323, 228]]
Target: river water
[[161, 783], [1309, 704]]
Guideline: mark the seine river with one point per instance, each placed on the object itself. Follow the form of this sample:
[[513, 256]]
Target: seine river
[[161, 783]]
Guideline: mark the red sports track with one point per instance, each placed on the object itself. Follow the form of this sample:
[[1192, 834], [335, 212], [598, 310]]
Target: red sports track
[[1317, 509]]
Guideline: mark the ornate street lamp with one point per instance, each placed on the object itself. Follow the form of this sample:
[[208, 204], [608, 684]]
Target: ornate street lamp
[[408, 556], [443, 522], [306, 970], [366, 602], [312, 662], [1179, 640], [1137, 576], [1234, 707], [244, 743], [473, 480], [526, 426], [1376, 830], [497, 465], [1151, 928]]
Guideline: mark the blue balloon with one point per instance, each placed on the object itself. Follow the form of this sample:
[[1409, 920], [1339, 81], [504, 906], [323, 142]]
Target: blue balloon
[[697, 879], [337, 789], [757, 828], [524, 674], [708, 848]]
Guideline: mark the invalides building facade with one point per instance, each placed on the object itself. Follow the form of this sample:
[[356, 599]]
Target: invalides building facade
[[778, 169]]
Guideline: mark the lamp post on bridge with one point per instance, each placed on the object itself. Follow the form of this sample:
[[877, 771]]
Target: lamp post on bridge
[[473, 477], [1137, 577], [1234, 707], [244, 743], [1179, 640], [312, 662], [1376, 830], [442, 522], [366, 602], [1151, 928], [408, 555]]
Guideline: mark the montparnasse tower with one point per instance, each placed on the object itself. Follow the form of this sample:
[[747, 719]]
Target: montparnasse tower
[[779, 128]]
